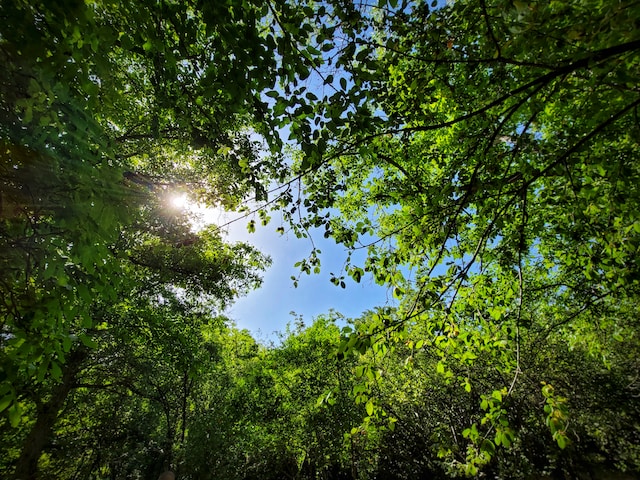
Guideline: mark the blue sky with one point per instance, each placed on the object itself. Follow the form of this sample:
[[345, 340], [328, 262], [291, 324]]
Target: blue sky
[[267, 310]]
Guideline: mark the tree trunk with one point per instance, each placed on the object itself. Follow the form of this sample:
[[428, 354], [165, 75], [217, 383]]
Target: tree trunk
[[47, 414]]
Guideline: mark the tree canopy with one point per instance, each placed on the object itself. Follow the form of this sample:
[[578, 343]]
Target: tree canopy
[[482, 154]]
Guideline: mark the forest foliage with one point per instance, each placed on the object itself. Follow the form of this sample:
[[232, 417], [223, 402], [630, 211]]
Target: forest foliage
[[483, 156]]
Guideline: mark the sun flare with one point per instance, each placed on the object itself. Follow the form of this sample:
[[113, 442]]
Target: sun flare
[[179, 201], [201, 216]]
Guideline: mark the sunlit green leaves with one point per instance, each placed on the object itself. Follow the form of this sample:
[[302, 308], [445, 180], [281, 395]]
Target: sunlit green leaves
[[482, 155], [557, 416]]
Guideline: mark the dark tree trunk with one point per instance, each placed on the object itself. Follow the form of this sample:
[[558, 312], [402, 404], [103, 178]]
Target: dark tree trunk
[[47, 414]]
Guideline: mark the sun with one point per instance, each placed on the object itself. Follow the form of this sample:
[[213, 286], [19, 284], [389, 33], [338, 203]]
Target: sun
[[179, 201], [200, 215]]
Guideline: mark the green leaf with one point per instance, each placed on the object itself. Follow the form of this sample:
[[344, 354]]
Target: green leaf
[[86, 321], [562, 441], [15, 415], [392, 423], [5, 402], [88, 341], [369, 408], [56, 371], [488, 447]]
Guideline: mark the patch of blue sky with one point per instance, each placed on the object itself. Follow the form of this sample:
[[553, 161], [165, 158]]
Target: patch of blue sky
[[267, 310]]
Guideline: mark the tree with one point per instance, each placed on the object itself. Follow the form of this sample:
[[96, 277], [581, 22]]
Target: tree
[[130, 411], [105, 106], [263, 411], [483, 154], [434, 408], [105, 110]]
